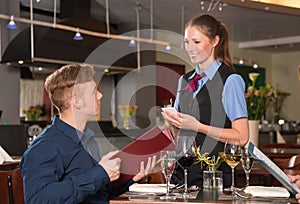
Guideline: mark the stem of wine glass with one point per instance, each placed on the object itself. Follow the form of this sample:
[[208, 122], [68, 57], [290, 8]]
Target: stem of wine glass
[[168, 185], [247, 179], [185, 181], [232, 178]]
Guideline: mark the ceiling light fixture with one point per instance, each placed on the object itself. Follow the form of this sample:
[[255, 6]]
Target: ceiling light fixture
[[84, 31], [182, 25], [241, 61], [11, 25], [168, 48], [132, 43], [202, 5], [138, 49], [220, 6], [290, 3], [151, 19], [255, 66], [107, 18], [77, 35], [54, 14]]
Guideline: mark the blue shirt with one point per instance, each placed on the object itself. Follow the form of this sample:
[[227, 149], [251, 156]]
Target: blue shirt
[[233, 98], [56, 168]]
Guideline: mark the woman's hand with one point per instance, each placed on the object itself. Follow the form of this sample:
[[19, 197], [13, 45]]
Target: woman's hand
[[145, 171], [181, 121]]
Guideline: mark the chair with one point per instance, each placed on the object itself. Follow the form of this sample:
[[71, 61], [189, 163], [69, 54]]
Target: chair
[[11, 184], [291, 165]]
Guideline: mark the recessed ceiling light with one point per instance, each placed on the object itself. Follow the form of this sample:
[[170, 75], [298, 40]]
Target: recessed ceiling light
[[21, 62]]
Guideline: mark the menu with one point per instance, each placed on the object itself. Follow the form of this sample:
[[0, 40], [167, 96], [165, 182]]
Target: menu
[[147, 145], [280, 175]]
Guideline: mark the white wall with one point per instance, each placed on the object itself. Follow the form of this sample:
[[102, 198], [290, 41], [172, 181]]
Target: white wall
[[10, 94], [285, 77]]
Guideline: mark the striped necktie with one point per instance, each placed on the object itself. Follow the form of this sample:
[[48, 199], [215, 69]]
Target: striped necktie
[[193, 84]]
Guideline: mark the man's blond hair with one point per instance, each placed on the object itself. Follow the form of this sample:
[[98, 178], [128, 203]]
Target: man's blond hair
[[60, 83]]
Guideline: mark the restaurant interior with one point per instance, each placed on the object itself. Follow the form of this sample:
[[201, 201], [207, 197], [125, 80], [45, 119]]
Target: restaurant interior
[[137, 49]]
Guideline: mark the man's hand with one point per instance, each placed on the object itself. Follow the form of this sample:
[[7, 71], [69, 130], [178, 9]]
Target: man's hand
[[296, 180], [111, 166], [145, 171]]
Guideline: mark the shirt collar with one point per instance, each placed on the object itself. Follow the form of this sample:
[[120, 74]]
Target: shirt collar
[[70, 131], [210, 71]]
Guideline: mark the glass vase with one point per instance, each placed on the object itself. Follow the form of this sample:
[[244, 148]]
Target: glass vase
[[213, 179]]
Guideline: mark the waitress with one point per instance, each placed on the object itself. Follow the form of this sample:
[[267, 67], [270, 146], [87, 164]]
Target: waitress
[[210, 99]]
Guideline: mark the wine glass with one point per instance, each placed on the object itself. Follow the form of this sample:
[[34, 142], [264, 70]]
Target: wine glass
[[232, 157], [168, 161], [186, 155], [247, 163]]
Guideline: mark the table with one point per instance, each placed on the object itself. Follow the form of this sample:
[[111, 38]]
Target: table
[[204, 196]]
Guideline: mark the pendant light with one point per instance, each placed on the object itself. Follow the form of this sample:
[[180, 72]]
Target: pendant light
[[11, 25], [77, 35]]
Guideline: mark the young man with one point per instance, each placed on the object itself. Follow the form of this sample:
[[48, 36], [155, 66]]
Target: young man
[[63, 164]]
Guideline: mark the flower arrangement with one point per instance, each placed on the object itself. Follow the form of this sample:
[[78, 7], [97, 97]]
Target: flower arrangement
[[212, 163], [34, 112], [258, 99], [126, 111]]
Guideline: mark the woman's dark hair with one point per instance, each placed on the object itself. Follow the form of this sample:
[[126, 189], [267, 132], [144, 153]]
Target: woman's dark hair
[[211, 28]]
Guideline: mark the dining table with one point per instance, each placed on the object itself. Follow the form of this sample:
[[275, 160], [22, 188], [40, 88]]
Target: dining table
[[203, 196]]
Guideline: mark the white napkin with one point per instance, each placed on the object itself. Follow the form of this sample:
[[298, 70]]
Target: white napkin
[[264, 191], [148, 188], [4, 157]]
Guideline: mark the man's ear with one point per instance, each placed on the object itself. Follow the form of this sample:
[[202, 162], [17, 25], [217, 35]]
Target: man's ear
[[76, 102]]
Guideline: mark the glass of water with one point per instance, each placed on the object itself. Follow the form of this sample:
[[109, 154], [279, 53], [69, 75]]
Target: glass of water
[[247, 163], [168, 161]]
